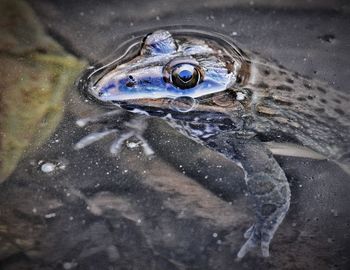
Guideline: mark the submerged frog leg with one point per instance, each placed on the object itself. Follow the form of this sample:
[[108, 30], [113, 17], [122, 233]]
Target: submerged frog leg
[[118, 142], [91, 138], [267, 185], [127, 129], [82, 122], [137, 126]]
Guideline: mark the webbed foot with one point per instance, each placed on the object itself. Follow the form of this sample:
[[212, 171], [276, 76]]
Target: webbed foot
[[133, 128], [267, 186], [262, 232]]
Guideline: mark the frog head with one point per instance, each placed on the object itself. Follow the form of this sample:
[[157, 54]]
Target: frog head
[[178, 75]]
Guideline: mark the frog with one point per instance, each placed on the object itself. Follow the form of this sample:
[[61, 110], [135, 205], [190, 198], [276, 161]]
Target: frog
[[233, 101]]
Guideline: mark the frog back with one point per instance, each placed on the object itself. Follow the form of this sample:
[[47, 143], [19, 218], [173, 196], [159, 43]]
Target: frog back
[[292, 107]]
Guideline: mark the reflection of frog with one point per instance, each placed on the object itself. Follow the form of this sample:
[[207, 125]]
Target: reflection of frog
[[214, 93]]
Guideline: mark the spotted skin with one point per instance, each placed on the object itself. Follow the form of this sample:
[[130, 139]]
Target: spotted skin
[[240, 100], [307, 111]]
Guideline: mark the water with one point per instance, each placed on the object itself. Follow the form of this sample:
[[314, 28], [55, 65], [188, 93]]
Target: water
[[185, 207]]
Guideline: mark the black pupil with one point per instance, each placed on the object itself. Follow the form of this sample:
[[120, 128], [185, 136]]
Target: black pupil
[[185, 76]]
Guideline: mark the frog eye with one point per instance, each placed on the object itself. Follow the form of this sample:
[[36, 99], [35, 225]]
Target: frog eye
[[185, 76]]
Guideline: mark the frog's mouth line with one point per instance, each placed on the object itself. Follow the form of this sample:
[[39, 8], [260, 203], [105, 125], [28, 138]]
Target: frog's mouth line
[[162, 108], [198, 116], [182, 105]]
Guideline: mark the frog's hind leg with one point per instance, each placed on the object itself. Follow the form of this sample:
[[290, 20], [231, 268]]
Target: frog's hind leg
[[269, 191], [267, 186], [270, 226], [263, 231]]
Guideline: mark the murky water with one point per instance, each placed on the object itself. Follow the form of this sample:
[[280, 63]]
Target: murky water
[[185, 207]]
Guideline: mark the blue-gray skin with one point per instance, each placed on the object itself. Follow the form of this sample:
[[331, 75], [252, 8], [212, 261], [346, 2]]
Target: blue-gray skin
[[231, 102]]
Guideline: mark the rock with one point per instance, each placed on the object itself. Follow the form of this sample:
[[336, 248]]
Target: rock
[[35, 73]]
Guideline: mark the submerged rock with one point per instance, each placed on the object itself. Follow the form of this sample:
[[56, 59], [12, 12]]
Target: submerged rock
[[35, 73]]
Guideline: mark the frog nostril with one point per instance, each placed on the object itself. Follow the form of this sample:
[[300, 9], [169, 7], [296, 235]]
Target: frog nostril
[[130, 81]]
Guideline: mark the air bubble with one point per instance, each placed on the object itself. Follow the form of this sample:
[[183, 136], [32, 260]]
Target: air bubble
[[183, 104], [240, 96], [48, 167], [50, 215]]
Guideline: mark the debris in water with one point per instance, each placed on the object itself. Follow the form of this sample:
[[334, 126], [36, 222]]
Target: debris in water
[[327, 38]]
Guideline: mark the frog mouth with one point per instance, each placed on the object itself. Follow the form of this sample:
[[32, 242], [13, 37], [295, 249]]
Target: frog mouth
[[166, 108], [196, 115]]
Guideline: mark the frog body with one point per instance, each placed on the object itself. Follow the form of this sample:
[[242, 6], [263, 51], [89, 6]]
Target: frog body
[[231, 101]]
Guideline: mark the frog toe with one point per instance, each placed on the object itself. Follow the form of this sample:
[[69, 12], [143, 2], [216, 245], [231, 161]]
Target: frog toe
[[249, 232], [250, 244], [135, 128], [91, 138], [126, 130], [82, 122], [265, 248], [117, 144], [258, 234], [147, 149]]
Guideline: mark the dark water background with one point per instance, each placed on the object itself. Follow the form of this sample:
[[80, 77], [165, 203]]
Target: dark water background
[[185, 208]]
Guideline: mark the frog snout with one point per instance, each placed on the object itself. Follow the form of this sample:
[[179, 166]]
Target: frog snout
[[105, 92], [114, 88]]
